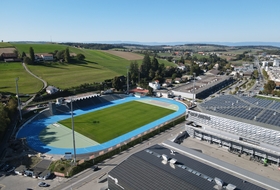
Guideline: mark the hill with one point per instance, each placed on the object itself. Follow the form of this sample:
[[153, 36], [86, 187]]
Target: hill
[[97, 67]]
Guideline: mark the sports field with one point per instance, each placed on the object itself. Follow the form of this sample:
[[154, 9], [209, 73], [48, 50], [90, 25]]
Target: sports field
[[125, 119], [109, 123]]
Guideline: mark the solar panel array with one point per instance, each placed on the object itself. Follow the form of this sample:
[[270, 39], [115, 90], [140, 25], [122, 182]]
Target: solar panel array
[[271, 117], [224, 101], [247, 113], [245, 130], [257, 101], [250, 108], [275, 106]]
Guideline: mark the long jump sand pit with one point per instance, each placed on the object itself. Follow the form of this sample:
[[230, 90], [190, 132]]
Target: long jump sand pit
[[125, 55], [57, 135]]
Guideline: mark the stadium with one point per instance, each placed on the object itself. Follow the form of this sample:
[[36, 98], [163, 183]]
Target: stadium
[[242, 124], [49, 132]]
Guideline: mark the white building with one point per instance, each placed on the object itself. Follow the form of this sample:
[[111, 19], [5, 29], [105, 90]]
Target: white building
[[264, 63], [51, 90], [276, 63], [155, 85]]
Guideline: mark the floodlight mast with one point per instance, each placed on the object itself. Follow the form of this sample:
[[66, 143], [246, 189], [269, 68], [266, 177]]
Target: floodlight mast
[[127, 81], [193, 87], [73, 132], [19, 107]]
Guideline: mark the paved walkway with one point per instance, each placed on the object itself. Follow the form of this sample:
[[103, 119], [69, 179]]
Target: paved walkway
[[43, 81]]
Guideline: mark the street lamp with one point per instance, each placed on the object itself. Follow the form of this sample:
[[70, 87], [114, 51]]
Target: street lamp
[[73, 132], [19, 108]]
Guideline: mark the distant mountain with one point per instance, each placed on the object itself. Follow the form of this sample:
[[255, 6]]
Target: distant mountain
[[275, 44]]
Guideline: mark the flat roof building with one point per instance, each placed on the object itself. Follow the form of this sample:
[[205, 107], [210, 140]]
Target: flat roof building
[[158, 167]]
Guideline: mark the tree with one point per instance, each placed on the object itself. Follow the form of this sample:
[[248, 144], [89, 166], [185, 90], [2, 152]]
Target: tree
[[60, 54], [27, 60], [117, 83], [80, 57], [31, 54], [67, 55], [255, 74], [151, 74], [154, 64], [146, 65], [16, 52], [23, 55], [269, 87], [182, 60], [4, 119], [12, 106], [134, 71]]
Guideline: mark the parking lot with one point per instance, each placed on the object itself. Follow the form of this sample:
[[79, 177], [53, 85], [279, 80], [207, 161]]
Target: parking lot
[[16, 177]]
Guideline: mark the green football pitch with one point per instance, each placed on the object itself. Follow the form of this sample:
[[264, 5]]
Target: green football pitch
[[109, 123]]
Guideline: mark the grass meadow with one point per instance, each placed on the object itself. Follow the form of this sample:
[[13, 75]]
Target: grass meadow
[[5, 45], [10, 71], [109, 123], [97, 67]]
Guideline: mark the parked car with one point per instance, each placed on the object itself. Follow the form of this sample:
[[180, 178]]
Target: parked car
[[43, 184]]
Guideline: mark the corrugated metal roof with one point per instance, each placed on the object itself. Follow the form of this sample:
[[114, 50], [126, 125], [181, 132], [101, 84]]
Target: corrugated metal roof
[[147, 170]]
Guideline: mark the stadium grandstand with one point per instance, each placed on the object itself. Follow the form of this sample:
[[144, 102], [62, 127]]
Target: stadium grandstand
[[242, 124], [63, 105]]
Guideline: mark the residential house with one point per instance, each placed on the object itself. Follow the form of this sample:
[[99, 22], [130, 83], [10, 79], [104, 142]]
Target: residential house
[[167, 83], [9, 57], [47, 57], [178, 80], [51, 89], [181, 66], [155, 85]]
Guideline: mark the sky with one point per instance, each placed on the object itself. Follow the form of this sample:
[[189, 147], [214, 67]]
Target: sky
[[140, 20]]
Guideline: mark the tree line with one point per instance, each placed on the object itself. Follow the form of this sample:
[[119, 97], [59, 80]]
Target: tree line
[[62, 55], [7, 111], [94, 46]]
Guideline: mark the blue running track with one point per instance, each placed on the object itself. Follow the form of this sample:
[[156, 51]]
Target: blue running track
[[31, 130]]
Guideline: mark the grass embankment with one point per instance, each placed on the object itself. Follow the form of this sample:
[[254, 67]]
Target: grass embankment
[[27, 84], [109, 123]]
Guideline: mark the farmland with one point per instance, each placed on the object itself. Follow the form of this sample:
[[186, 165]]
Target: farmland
[[125, 55], [97, 67], [117, 120]]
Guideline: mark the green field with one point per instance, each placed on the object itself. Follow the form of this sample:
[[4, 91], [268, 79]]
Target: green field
[[109, 123], [97, 67], [27, 83], [38, 48], [5, 45]]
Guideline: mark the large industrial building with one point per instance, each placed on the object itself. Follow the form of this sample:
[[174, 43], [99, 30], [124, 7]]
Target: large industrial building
[[243, 124], [203, 86], [172, 166]]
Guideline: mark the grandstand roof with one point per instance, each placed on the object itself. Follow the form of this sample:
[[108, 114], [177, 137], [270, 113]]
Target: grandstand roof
[[158, 168]]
